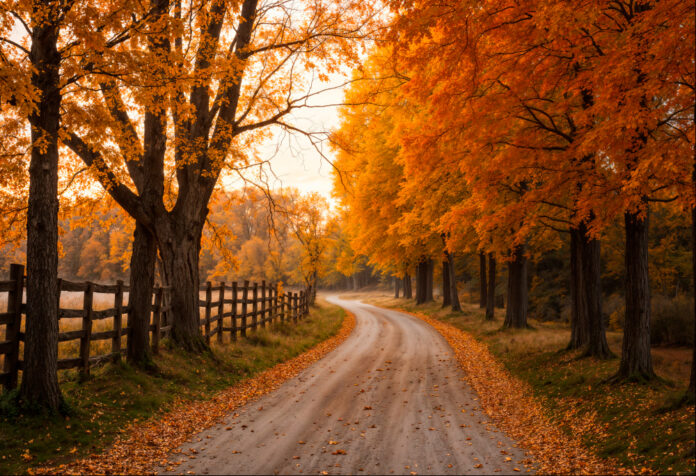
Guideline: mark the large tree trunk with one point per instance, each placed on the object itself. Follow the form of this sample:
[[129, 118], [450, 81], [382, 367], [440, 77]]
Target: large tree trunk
[[40, 376], [587, 324], [180, 255], [454, 296], [397, 282], [408, 290], [516, 311], [421, 279], [446, 293], [692, 382], [490, 295], [430, 271], [597, 345], [579, 326], [142, 280], [636, 360], [482, 278]]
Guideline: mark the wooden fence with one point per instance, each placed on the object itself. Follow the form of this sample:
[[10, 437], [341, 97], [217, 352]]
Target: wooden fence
[[227, 308]]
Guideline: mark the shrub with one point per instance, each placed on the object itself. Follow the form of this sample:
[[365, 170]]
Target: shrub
[[672, 320]]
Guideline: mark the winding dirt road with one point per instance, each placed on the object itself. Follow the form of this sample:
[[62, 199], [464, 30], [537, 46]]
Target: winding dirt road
[[390, 400]]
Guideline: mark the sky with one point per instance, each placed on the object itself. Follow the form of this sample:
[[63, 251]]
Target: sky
[[294, 161]]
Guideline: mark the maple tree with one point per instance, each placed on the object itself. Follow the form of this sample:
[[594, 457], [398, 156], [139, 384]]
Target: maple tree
[[222, 72]]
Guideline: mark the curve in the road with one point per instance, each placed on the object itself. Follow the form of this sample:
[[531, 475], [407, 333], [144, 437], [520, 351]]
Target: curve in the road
[[390, 400]]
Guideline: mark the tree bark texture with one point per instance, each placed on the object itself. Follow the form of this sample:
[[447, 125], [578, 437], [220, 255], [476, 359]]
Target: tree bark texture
[[516, 311], [40, 375], [579, 332], [180, 248], [421, 278], [446, 293], [142, 280], [408, 290], [397, 283], [636, 360], [483, 280], [591, 295], [490, 295], [429, 278], [454, 296], [692, 381]]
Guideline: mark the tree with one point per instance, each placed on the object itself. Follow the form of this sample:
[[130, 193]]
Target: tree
[[254, 80]]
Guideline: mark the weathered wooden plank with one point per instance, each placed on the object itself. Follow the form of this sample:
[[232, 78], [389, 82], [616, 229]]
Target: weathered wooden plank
[[6, 286], [263, 303], [72, 286], [103, 335], [245, 295], [208, 298], [103, 314], [70, 335], [104, 288], [118, 321], [220, 311], [233, 330], [6, 317], [6, 346], [70, 313], [85, 341]]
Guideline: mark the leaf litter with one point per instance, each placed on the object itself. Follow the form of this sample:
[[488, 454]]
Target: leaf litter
[[144, 445]]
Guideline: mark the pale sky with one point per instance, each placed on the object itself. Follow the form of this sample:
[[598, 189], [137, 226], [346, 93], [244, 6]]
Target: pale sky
[[294, 160]]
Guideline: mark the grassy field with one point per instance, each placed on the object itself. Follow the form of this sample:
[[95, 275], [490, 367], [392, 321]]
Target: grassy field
[[640, 425], [117, 395]]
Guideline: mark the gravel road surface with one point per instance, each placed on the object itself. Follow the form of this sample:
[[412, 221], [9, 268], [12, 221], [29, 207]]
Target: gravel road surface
[[390, 400]]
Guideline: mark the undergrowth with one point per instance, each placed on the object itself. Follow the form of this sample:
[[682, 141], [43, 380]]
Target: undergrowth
[[118, 394]]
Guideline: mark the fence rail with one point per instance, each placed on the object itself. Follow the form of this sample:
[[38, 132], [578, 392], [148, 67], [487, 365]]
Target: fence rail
[[228, 308]]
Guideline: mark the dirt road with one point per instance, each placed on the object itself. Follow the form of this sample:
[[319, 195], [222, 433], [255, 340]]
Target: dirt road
[[390, 400]]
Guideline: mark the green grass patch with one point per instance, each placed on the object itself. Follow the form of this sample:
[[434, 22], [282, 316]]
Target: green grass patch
[[641, 425], [117, 395]]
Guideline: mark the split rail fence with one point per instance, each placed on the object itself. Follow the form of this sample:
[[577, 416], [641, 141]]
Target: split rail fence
[[231, 308]]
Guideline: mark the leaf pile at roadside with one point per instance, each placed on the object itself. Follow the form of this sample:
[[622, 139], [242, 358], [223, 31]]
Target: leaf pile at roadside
[[510, 403], [146, 445]]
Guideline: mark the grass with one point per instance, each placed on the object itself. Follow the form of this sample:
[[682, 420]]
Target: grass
[[116, 395], [641, 425]]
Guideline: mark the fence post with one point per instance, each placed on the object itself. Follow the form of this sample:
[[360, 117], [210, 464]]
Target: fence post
[[85, 340], [245, 295], [263, 303], [234, 311], [221, 309], [294, 307], [118, 322], [303, 298], [282, 307], [14, 306], [275, 302], [208, 298], [157, 320], [255, 307]]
